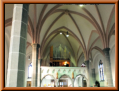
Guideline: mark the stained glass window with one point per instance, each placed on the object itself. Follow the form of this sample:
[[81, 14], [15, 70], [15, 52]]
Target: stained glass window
[[101, 71], [30, 71]]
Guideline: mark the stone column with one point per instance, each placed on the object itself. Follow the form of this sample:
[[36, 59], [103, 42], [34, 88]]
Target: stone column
[[56, 78], [39, 73], [72, 82], [88, 74], [56, 82], [72, 79], [35, 48], [81, 82], [78, 81], [108, 67], [93, 77], [17, 53]]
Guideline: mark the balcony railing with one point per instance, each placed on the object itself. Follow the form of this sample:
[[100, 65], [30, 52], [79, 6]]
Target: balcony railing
[[63, 70]]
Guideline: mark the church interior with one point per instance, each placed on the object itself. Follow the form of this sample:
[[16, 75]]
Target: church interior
[[59, 45]]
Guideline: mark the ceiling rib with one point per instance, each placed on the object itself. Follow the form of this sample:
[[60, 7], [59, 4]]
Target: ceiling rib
[[78, 29], [93, 31], [87, 18], [98, 27], [50, 28], [108, 24], [41, 15], [69, 44], [45, 17], [100, 19]]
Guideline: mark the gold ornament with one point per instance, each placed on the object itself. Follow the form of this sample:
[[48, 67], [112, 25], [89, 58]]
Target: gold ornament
[[57, 75], [72, 75]]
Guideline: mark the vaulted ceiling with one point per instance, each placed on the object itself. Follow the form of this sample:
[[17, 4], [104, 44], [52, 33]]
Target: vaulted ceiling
[[89, 27]]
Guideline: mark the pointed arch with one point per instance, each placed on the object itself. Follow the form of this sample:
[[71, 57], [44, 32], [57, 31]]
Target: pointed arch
[[63, 27], [100, 50]]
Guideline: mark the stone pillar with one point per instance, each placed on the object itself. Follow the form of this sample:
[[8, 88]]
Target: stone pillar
[[17, 53], [78, 81], [81, 82], [35, 48], [108, 67], [56, 79], [72, 79], [93, 77], [88, 74], [39, 73], [72, 82], [56, 82]]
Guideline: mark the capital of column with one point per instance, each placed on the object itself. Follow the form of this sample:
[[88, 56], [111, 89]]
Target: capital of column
[[72, 75], [40, 60], [106, 51], [35, 45], [87, 62]]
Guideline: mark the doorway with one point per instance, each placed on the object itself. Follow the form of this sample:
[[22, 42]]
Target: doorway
[[84, 83], [64, 81], [48, 81], [80, 81], [28, 83]]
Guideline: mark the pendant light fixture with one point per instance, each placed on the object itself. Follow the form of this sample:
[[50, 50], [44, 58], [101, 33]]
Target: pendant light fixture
[[81, 5], [60, 32], [67, 34]]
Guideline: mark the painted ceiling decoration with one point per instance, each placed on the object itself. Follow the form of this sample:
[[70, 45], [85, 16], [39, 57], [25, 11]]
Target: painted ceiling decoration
[[89, 27]]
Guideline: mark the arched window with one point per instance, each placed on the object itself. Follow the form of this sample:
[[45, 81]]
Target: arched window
[[101, 71], [30, 71]]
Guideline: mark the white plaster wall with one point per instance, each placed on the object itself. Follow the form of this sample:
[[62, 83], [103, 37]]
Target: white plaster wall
[[73, 61], [79, 52], [29, 50], [8, 10], [48, 60], [81, 60], [112, 41]]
